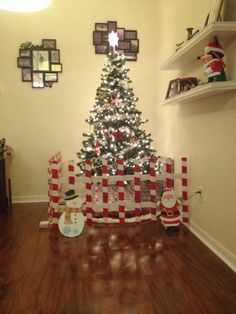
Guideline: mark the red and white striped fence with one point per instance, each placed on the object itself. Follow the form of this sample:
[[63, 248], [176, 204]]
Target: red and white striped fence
[[118, 211]]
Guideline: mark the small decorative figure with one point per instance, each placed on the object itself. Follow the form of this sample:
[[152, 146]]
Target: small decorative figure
[[71, 223], [170, 215], [189, 32], [213, 62]]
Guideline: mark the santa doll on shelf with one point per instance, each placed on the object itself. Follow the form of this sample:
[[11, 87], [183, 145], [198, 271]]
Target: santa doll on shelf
[[213, 62], [170, 215]]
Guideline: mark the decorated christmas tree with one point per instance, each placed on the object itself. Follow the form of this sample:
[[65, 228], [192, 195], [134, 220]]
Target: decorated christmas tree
[[116, 123]]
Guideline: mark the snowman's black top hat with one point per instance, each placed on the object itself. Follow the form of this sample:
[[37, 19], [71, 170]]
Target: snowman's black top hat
[[70, 195]]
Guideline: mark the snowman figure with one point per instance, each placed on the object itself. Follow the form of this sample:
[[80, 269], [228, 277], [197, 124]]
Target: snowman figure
[[71, 222], [170, 215]]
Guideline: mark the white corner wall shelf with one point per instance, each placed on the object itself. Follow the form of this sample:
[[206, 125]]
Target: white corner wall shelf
[[225, 32], [202, 91]]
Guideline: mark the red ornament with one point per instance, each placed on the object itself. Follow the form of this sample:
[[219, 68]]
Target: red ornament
[[118, 135], [97, 148]]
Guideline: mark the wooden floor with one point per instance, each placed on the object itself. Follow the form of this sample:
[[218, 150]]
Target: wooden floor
[[108, 270]]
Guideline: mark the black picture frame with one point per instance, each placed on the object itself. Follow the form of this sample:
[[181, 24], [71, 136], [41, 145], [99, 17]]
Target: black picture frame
[[111, 26], [121, 33], [130, 34], [38, 80], [97, 37], [26, 75], [134, 45], [124, 45], [23, 62], [25, 53], [51, 77], [102, 27], [40, 60], [49, 44], [56, 67], [55, 56], [130, 56], [173, 88], [101, 49], [187, 83]]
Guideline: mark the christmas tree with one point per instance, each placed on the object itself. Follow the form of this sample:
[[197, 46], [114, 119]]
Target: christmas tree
[[116, 123]]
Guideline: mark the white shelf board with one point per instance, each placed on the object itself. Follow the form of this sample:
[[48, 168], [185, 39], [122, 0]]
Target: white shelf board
[[225, 32], [202, 91]]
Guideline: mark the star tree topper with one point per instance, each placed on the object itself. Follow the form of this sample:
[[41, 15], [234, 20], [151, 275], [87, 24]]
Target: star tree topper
[[113, 39]]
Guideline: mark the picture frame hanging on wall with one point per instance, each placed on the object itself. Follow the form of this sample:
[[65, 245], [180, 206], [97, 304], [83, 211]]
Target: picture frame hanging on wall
[[40, 64]]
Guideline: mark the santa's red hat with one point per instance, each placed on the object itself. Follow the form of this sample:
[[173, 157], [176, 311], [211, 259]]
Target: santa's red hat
[[214, 46]]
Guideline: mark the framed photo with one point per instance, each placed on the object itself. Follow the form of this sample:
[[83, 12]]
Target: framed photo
[[55, 56], [112, 26], [130, 35], [23, 62], [97, 38], [121, 33], [25, 53], [124, 45], [49, 43], [50, 77], [101, 27], [173, 88], [130, 56], [56, 67], [187, 83], [37, 80], [40, 60], [134, 45], [214, 14], [26, 75], [101, 49], [105, 38]]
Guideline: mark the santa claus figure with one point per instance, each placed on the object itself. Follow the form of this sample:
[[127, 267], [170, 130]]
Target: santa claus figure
[[170, 215], [213, 62]]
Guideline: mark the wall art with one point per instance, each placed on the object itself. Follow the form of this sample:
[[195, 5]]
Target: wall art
[[40, 64], [128, 40]]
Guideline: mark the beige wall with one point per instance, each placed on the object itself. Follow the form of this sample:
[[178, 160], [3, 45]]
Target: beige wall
[[37, 123], [204, 131]]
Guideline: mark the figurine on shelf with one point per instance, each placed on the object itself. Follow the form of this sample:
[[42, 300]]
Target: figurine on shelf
[[213, 62]]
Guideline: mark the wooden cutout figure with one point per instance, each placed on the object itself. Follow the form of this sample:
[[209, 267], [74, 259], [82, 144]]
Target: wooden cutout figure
[[71, 224], [170, 215]]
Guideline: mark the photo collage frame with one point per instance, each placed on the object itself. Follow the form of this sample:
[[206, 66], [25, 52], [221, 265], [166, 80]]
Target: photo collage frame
[[40, 64], [128, 40]]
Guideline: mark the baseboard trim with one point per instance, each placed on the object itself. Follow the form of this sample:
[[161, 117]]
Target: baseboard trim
[[224, 254], [29, 199]]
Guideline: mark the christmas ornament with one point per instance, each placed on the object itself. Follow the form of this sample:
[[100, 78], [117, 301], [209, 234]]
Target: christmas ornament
[[213, 62]]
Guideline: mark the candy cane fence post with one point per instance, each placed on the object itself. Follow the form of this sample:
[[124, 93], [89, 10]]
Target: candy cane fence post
[[71, 174], [153, 188], [105, 190], [185, 208], [168, 173], [137, 191], [121, 191], [89, 198]]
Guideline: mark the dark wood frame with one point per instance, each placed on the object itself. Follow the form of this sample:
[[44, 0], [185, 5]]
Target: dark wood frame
[[187, 83], [111, 26], [57, 51], [130, 34], [21, 65], [102, 49], [54, 70], [172, 83], [25, 77], [130, 56], [43, 51], [50, 73], [101, 27], [49, 44], [26, 53]]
